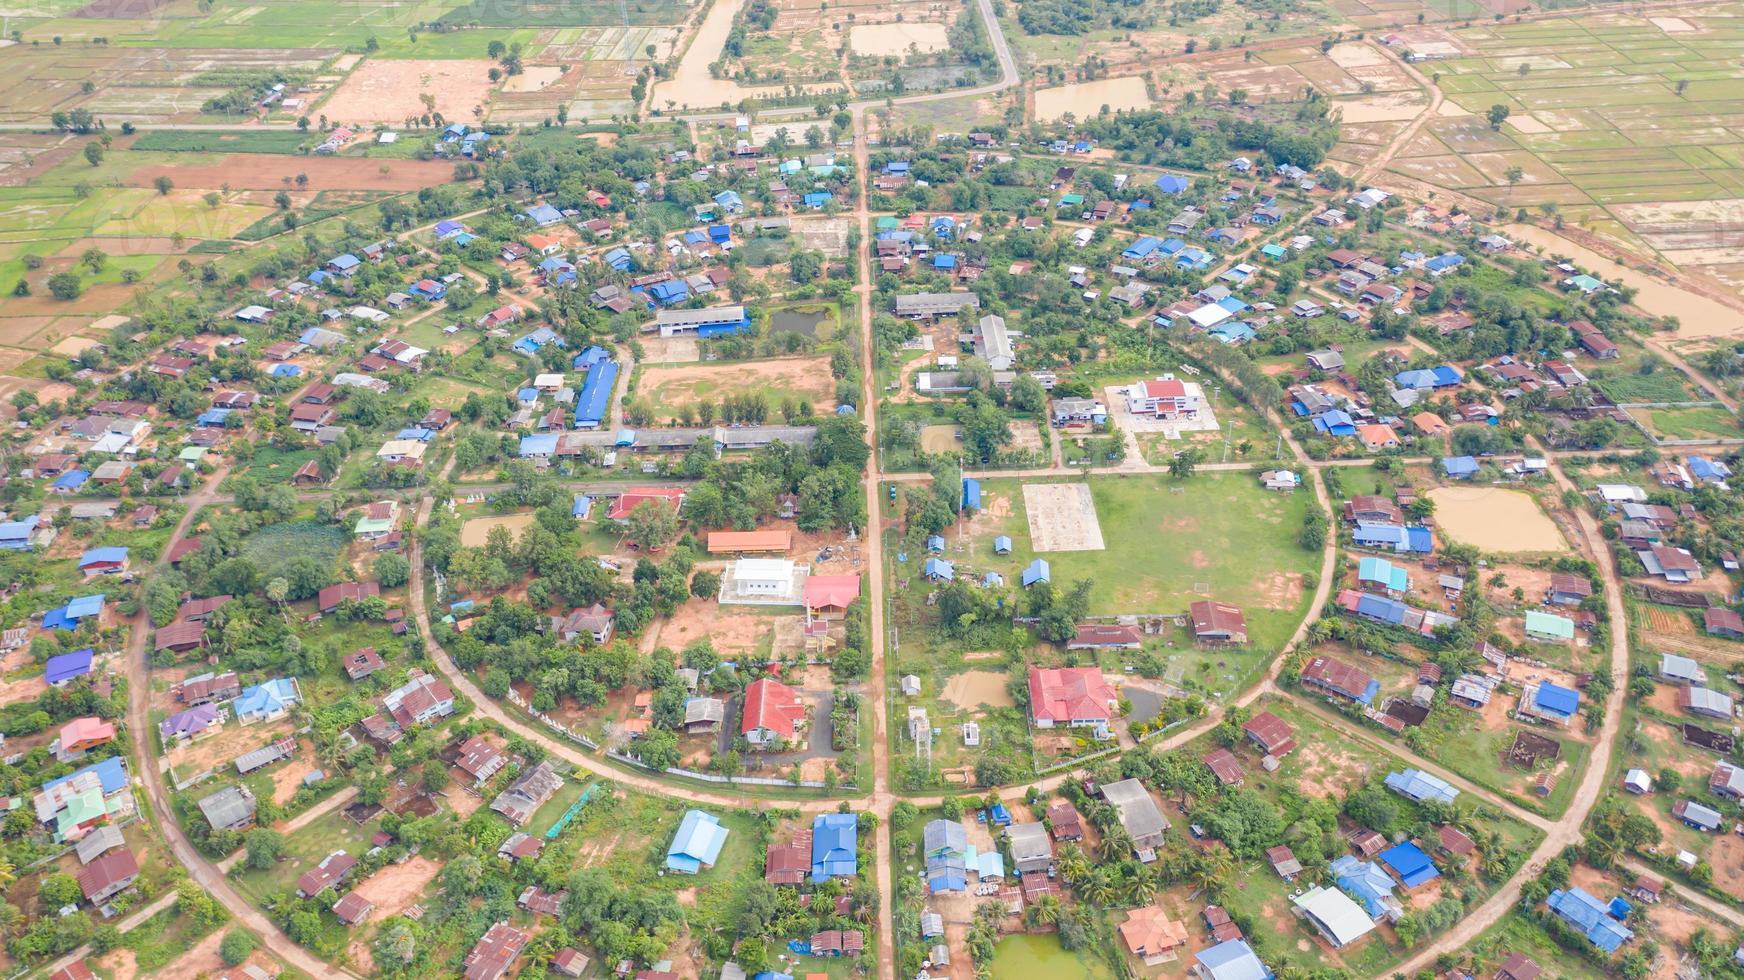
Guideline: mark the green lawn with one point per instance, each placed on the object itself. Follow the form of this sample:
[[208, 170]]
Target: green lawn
[[1169, 543], [303, 850], [178, 140], [1707, 422]]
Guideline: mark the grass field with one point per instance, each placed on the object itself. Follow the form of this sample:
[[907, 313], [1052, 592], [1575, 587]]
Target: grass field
[[1708, 422], [184, 140], [1243, 547], [1660, 386]]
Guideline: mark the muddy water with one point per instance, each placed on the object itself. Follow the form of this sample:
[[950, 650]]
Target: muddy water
[[1697, 316]]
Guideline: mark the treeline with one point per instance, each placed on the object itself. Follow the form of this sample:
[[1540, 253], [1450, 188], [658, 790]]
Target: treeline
[[1183, 140]]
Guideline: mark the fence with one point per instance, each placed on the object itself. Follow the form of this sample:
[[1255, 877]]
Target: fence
[[720, 780]]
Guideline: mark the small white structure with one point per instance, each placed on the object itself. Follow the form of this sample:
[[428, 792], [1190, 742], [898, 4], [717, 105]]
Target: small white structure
[[764, 581], [910, 685], [1638, 782], [971, 733]]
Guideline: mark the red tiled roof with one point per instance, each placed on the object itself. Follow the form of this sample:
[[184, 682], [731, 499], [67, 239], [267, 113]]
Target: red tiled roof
[[1065, 694], [773, 706]]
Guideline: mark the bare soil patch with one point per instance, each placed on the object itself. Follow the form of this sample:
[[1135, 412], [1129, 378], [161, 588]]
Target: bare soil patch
[[974, 688], [1062, 517], [941, 439], [396, 887], [730, 632], [288, 776], [474, 533], [879, 40], [808, 378], [1494, 519], [1086, 99], [389, 91]]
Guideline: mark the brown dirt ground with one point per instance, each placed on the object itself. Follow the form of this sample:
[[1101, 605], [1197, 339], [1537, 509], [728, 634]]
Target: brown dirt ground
[[230, 742], [1726, 857], [730, 632], [263, 171], [398, 886], [1325, 772], [288, 776], [666, 388], [389, 91], [459, 800]]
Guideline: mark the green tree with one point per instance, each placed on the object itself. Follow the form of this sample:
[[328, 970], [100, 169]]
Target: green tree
[[1497, 114], [236, 946], [265, 848], [93, 153], [66, 285], [163, 185]]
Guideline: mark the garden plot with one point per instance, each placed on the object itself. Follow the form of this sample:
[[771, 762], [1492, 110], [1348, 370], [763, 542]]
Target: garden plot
[[391, 91], [1493, 519], [1084, 100], [1062, 517]]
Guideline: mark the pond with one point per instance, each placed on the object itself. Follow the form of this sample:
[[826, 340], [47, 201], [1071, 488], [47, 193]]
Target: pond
[[801, 321], [1039, 958]]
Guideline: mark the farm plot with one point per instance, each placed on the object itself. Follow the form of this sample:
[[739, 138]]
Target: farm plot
[[879, 40], [261, 171]]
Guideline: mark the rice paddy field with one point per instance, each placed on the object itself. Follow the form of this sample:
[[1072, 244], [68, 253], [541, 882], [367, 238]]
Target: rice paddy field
[[1632, 126]]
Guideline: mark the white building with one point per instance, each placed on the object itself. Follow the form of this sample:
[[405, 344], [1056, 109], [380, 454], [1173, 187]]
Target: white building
[[764, 581]]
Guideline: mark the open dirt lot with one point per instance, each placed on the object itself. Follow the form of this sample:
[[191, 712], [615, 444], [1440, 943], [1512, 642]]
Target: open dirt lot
[[941, 439], [879, 40], [397, 886], [474, 532], [808, 378], [730, 631], [389, 91], [1062, 517], [1085, 99], [265, 171], [972, 689], [1495, 520]]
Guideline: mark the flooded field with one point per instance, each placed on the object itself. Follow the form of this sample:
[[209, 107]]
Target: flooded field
[[1086, 99]]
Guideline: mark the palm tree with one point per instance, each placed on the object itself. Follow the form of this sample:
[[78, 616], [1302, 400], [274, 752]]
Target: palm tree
[[1072, 864], [1116, 844], [1142, 888], [1098, 888], [1044, 911]]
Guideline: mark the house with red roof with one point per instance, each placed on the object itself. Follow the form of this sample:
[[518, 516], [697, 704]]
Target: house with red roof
[[1335, 677], [831, 595], [773, 712], [1163, 398], [1273, 735], [634, 497], [81, 735], [1071, 697]]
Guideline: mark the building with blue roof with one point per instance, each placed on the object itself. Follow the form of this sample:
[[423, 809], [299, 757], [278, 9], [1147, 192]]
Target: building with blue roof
[[1142, 248], [594, 354], [971, 493], [595, 400], [111, 559], [416, 433], [287, 370], [1368, 885], [1409, 864], [212, 418], [1459, 467], [1552, 702], [720, 234], [618, 259], [1707, 470], [817, 199], [1589, 917], [670, 293], [1233, 332], [1336, 422], [544, 214], [1172, 184], [267, 701], [111, 774], [22, 534], [697, 845], [1379, 572], [67, 617], [1232, 959], [944, 260], [935, 542], [344, 265], [1443, 264], [67, 667], [834, 843], [582, 507], [1001, 544], [1037, 571], [896, 167], [939, 570], [453, 132], [70, 481], [730, 201], [543, 445], [1193, 258], [1385, 536], [1421, 787]]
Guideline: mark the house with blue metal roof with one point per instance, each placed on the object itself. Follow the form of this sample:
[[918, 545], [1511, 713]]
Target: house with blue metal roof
[[1420, 786], [1335, 422], [103, 560], [543, 214], [697, 845], [834, 853], [1589, 917], [212, 418], [1550, 702], [720, 234], [1385, 536], [595, 400], [971, 494], [70, 481], [1193, 258], [267, 701], [817, 199], [1442, 264], [68, 616], [939, 570], [1371, 887], [1708, 470], [945, 847], [1373, 572], [618, 259], [582, 507], [343, 265], [1459, 467], [1036, 571], [1142, 249], [67, 667], [1409, 864], [730, 201], [670, 293], [541, 446], [1172, 184], [1232, 959], [1002, 545]]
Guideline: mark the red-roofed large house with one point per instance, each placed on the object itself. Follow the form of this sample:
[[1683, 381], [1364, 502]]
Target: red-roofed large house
[[1163, 398], [629, 500], [1070, 697], [830, 595], [772, 713], [1272, 734], [1337, 678], [1217, 622]]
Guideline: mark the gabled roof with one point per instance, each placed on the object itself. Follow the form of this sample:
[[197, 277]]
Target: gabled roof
[[772, 706]]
